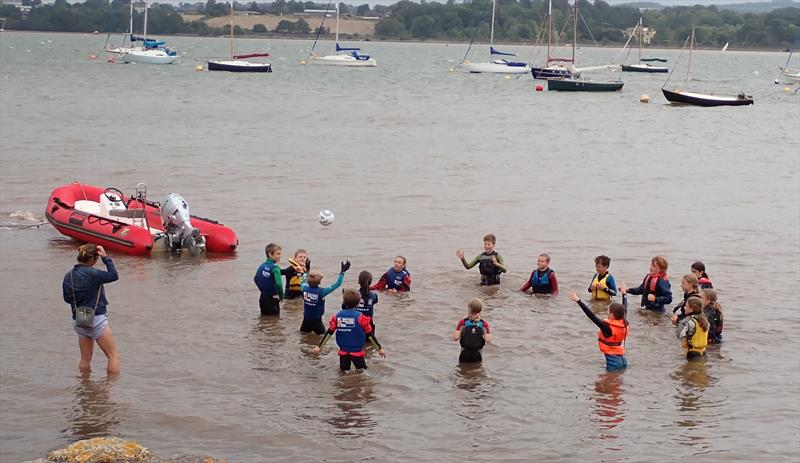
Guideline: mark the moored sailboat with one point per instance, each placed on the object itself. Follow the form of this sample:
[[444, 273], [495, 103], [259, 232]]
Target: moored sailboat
[[351, 59], [495, 66], [642, 66], [239, 63], [556, 67], [150, 52]]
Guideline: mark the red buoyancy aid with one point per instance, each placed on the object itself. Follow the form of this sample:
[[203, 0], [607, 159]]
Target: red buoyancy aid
[[613, 345], [651, 281]]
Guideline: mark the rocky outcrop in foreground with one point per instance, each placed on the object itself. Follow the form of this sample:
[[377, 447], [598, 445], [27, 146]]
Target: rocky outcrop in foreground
[[116, 450]]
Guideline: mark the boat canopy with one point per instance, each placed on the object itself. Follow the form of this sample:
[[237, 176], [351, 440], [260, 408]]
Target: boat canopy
[[147, 42], [338, 48], [494, 51]]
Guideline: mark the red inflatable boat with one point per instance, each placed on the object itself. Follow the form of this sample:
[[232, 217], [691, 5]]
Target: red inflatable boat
[[128, 224]]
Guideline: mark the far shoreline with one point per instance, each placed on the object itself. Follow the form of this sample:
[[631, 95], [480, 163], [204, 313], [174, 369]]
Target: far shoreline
[[361, 38]]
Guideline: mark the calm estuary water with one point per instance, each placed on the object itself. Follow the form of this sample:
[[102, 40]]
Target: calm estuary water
[[419, 161]]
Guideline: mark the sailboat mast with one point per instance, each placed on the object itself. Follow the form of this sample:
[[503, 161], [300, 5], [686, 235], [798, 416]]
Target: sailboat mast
[[491, 33], [549, 27], [574, 29], [641, 38], [130, 22], [689, 65], [231, 29], [337, 27], [146, 6]]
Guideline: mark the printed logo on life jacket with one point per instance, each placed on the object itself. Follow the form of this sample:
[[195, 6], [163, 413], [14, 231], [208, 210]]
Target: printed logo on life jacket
[[311, 298], [345, 323]]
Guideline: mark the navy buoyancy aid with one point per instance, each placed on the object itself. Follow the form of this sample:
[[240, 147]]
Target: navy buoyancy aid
[[367, 307], [490, 274], [349, 335], [396, 280], [472, 334], [313, 303], [540, 281], [265, 279]]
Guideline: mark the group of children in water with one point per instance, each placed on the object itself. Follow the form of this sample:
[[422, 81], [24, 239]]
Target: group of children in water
[[698, 317]]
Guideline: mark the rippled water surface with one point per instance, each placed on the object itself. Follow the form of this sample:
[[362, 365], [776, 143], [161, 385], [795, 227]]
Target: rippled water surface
[[419, 161]]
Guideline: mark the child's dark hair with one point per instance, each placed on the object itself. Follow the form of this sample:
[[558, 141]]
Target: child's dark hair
[[490, 238], [700, 267], [364, 281], [271, 248], [618, 311], [603, 260], [350, 298], [696, 307], [87, 252]]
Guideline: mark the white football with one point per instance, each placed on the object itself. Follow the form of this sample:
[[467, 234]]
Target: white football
[[326, 217]]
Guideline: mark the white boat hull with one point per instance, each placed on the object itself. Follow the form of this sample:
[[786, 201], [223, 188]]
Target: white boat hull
[[344, 60], [154, 56], [790, 77], [493, 67]]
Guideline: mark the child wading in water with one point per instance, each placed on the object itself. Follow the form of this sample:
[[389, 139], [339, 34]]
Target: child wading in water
[[693, 330], [472, 333], [542, 279], [603, 286], [655, 289], [314, 299], [396, 279], [270, 282], [294, 274], [699, 270], [613, 331], [489, 262], [690, 289], [713, 312], [352, 332], [368, 299]]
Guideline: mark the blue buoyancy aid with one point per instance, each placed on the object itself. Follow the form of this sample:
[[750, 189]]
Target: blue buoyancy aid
[[367, 308], [472, 334], [540, 281], [264, 278], [396, 280], [313, 302], [349, 335]]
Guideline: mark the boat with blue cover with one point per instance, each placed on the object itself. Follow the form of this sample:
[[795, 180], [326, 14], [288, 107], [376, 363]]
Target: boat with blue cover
[[494, 66], [350, 58]]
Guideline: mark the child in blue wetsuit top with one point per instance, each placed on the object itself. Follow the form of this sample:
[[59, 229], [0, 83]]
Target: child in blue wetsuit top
[[314, 299], [613, 331], [472, 333], [352, 332], [368, 299], [655, 289], [396, 279], [490, 262], [542, 279], [603, 287], [269, 281]]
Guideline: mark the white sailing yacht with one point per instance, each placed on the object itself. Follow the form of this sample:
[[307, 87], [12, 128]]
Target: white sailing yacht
[[495, 66], [351, 59], [151, 51]]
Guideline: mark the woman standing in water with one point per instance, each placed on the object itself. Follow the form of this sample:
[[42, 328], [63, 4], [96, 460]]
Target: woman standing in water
[[83, 287]]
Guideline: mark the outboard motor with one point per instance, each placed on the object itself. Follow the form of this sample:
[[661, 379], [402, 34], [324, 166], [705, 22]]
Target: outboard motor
[[178, 230]]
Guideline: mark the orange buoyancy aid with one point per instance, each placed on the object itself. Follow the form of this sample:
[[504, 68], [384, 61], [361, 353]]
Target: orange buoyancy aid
[[600, 285], [614, 344], [651, 281]]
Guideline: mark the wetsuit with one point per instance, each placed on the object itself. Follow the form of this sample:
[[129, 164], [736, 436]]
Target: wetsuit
[[352, 331], [692, 336], [472, 339], [611, 339], [314, 305], [658, 285], [605, 289], [294, 280], [715, 321], [392, 279], [269, 282], [490, 272], [680, 309], [542, 282]]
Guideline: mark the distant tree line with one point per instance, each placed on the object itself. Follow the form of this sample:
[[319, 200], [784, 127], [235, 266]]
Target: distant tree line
[[517, 20], [523, 20]]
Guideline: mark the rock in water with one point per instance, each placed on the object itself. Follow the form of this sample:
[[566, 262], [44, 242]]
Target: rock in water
[[103, 450]]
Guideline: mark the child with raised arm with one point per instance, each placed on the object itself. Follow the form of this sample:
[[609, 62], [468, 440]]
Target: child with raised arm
[[314, 299], [613, 331], [603, 286], [542, 279], [690, 289], [655, 289], [693, 330], [396, 279], [490, 262], [352, 332], [269, 281], [299, 265], [472, 333]]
